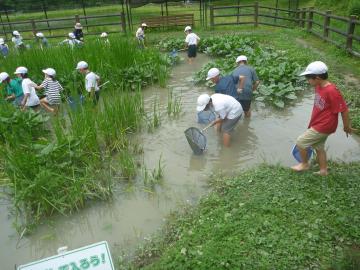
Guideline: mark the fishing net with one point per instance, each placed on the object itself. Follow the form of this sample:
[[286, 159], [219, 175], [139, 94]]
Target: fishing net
[[196, 140], [206, 117]]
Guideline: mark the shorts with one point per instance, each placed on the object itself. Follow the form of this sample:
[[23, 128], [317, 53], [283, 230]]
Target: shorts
[[51, 102], [245, 104], [228, 125], [192, 51], [18, 100], [95, 97], [312, 138]]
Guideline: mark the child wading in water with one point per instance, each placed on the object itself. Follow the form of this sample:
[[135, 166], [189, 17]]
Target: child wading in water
[[324, 119], [52, 91]]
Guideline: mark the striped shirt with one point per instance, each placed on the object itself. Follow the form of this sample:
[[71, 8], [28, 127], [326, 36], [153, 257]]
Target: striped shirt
[[52, 91]]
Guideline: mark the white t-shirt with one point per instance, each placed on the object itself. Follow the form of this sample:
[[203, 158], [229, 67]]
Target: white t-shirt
[[17, 41], [91, 81], [226, 106], [28, 88], [192, 39], [140, 33]]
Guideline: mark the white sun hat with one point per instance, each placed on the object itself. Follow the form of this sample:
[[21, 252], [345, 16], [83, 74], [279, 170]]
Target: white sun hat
[[81, 65], [315, 68], [40, 35], [78, 26], [21, 70], [71, 35], [49, 71], [103, 35], [16, 33], [202, 101], [187, 28], [2, 41], [212, 73], [241, 58], [3, 76], [144, 24]]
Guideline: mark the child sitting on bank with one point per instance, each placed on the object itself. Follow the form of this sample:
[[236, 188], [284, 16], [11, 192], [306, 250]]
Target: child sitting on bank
[[324, 119]]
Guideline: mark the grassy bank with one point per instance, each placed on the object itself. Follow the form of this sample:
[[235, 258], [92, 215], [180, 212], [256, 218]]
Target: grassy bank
[[265, 218]]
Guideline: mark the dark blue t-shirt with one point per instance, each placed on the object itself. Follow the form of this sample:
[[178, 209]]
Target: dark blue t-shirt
[[226, 85]]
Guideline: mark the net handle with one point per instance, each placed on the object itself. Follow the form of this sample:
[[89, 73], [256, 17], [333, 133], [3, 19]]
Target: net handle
[[205, 128]]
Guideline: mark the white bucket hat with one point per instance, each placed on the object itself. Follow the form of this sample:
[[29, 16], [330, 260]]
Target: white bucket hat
[[202, 101], [71, 35], [49, 71], [212, 73], [40, 35], [103, 35], [21, 70], [187, 28], [16, 33], [81, 65], [315, 68], [2, 41], [241, 58], [3, 76], [144, 24], [78, 26]]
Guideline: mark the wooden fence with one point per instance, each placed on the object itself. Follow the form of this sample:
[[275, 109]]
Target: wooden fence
[[54, 26], [343, 32]]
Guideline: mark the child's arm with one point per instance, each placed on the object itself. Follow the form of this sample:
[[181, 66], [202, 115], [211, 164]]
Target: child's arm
[[346, 121]]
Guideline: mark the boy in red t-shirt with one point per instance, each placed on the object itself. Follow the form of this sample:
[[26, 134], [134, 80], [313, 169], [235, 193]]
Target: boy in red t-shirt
[[324, 118]]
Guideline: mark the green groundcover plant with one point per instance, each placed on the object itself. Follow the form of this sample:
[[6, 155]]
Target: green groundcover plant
[[265, 218], [280, 83]]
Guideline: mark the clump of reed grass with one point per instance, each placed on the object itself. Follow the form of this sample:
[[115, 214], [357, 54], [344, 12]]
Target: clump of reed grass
[[174, 104]]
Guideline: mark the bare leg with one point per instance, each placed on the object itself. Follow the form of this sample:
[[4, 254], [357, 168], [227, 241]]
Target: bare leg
[[218, 127], [321, 157], [226, 139], [248, 113], [44, 104], [304, 165]]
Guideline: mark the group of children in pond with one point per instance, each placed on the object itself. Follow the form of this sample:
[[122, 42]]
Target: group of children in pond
[[74, 39], [229, 104], [21, 90]]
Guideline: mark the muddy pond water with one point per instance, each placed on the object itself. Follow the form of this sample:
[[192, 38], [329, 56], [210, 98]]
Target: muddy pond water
[[136, 211]]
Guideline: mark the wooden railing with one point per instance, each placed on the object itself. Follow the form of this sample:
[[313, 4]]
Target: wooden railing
[[54, 26], [322, 24], [169, 21]]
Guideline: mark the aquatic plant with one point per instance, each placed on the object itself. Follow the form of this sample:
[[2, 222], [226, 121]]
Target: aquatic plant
[[174, 104]]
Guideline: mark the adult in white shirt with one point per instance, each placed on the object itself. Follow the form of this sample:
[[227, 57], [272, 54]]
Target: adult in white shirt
[[30, 100], [91, 81], [191, 41], [140, 35], [227, 108]]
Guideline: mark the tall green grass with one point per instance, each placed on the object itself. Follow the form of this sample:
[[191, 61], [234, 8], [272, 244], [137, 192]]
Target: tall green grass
[[56, 164]]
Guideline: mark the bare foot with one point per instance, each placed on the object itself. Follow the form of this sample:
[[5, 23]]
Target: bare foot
[[301, 167], [322, 173]]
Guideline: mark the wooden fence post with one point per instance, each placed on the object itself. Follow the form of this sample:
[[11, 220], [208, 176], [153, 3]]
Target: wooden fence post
[[256, 14], [211, 17], [350, 33], [303, 17], [310, 19], [33, 27], [297, 17], [77, 18], [327, 23], [123, 22]]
